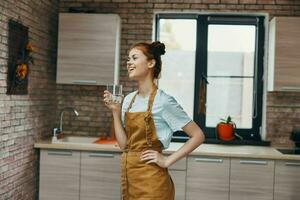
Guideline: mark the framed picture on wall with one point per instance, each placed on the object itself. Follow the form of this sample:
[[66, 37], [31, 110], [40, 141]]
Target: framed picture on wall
[[19, 58]]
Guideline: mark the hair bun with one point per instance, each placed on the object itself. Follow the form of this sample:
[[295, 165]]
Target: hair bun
[[158, 47]]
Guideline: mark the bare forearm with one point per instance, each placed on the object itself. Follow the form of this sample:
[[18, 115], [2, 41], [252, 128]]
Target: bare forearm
[[119, 130], [195, 140]]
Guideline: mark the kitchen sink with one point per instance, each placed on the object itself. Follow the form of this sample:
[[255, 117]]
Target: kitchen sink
[[76, 139], [295, 151]]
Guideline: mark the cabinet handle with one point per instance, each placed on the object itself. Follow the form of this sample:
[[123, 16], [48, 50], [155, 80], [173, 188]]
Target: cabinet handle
[[211, 160], [102, 155], [292, 163], [60, 153], [254, 162], [87, 82]]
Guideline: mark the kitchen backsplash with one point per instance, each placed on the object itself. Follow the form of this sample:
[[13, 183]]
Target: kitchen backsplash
[[283, 115]]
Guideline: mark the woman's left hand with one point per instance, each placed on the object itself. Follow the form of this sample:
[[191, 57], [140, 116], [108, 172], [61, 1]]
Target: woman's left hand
[[151, 156]]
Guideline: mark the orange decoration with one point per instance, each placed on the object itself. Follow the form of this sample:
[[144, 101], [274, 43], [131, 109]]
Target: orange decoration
[[21, 71], [29, 47]]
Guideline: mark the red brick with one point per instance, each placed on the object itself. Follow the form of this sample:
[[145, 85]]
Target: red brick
[[157, 1], [247, 1], [180, 6], [138, 1], [254, 7], [230, 1], [199, 6], [162, 5], [272, 7], [289, 2], [235, 7], [265, 1], [193, 1], [175, 1], [217, 6], [210, 1], [119, 1]]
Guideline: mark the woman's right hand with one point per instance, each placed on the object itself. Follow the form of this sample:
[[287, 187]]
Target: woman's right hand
[[115, 107]]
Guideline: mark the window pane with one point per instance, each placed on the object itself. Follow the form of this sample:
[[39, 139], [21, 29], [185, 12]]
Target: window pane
[[230, 54], [229, 96], [178, 69], [231, 50]]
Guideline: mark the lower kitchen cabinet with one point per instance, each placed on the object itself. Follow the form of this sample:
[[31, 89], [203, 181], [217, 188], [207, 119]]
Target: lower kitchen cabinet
[[207, 178], [59, 175], [84, 175], [100, 176], [251, 179], [178, 175], [287, 180]]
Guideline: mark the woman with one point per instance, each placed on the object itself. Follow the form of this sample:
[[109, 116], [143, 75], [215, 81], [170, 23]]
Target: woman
[[144, 126]]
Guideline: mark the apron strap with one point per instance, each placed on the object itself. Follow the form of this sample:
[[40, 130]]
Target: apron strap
[[148, 116], [132, 100], [151, 98]]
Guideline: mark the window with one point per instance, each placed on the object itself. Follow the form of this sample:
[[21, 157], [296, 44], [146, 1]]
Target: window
[[214, 67]]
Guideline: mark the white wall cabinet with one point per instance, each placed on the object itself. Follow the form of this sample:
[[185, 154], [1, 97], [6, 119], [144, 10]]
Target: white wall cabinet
[[88, 48], [284, 59], [207, 178], [251, 179], [59, 175], [287, 180]]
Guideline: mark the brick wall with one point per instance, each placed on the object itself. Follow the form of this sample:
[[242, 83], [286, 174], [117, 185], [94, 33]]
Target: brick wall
[[283, 115], [26, 118], [137, 19]]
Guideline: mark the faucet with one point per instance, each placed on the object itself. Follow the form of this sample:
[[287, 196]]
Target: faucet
[[60, 129]]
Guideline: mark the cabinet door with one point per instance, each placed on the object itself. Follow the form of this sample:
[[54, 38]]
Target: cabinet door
[[100, 176], [251, 179], [178, 175], [59, 175], [284, 53], [88, 48], [287, 180], [207, 178]]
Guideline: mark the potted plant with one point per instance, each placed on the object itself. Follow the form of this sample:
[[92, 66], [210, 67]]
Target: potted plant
[[225, 129]]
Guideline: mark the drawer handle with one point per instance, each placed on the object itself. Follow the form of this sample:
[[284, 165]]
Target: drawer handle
[[292, 163], [254, 162], [60, 153], [87, 82], [211, 160], [102, 155]]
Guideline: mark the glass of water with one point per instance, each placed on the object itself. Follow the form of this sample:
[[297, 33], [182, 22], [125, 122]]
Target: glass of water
[[116, 92]]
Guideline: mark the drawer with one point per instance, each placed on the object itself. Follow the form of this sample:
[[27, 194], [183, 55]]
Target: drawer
[[179, 165]]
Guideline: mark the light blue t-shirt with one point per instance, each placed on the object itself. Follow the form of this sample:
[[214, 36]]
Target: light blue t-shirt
[[167, 114]]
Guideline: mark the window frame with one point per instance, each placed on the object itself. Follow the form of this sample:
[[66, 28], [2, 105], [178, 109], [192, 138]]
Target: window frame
[[203, 21]]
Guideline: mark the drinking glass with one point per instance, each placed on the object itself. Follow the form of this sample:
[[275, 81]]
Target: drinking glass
[[116, 92]]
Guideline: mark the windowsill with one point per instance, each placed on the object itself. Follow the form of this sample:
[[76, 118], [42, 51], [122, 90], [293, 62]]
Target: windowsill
[[232, 142], [238, 142]]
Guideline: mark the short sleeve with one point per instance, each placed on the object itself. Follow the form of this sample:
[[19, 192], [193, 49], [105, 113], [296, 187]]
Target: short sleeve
[[174, 115]]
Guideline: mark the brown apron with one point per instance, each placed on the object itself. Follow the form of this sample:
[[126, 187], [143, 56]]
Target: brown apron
[[141, 181]]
